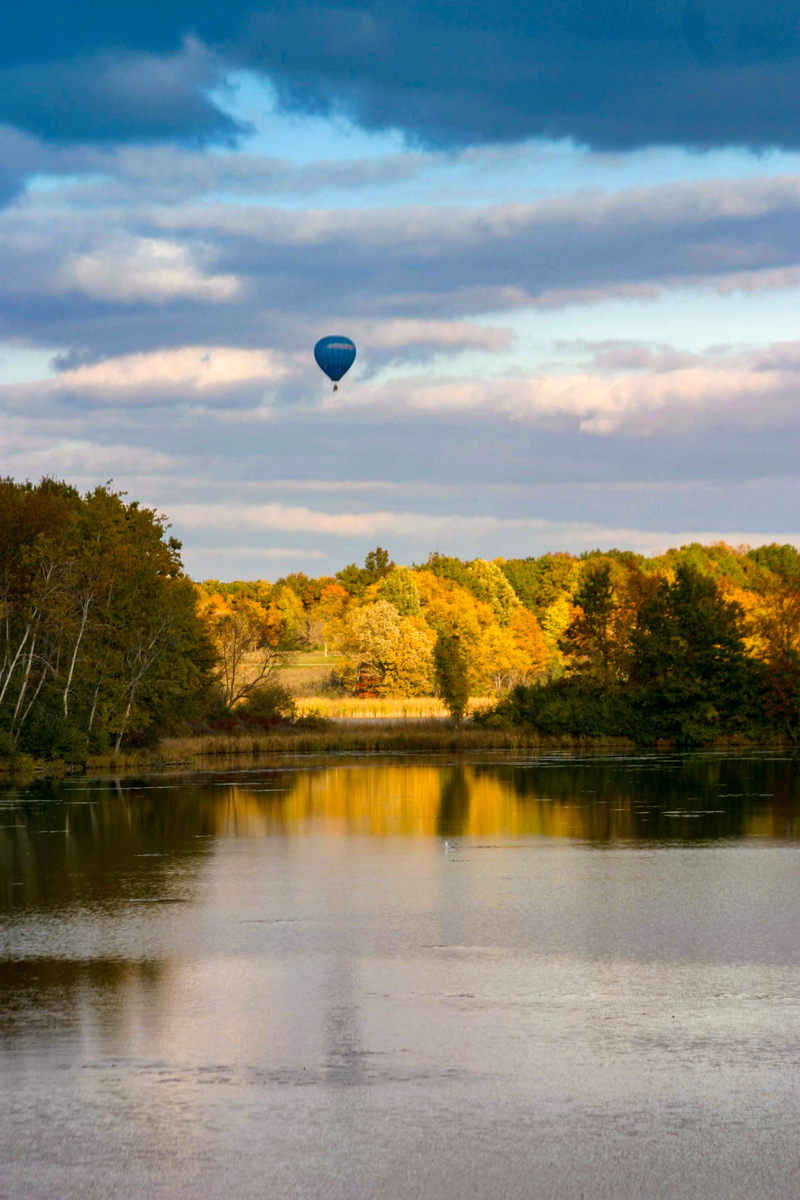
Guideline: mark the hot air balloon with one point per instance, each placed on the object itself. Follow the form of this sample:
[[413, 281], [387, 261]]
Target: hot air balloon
[[335, 355]]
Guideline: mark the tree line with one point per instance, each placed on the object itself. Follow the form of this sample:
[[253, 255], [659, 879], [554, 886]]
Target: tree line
[[100, 637], [105, 641]]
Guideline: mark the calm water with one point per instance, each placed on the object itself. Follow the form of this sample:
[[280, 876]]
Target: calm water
[[283, 983]]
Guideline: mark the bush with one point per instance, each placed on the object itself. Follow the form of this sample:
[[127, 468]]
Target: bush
[[313, 718], [571, 708], [8, 747], [274, 702], [50, 736]]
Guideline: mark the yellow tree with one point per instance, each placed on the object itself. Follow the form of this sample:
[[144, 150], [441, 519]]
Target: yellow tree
[[449, 608], [387, 654]]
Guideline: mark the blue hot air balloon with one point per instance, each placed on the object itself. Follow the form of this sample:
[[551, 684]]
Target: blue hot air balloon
[[335, 356]]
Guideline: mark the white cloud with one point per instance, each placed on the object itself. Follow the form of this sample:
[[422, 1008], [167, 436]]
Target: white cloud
[[269, 553], [754, 390], [184, 369], [145, 269], [425, 527]]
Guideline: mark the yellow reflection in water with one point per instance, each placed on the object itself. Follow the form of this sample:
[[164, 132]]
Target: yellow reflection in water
[[426, 801]]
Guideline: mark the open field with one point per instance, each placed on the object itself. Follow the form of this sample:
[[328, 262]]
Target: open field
[[306, 673]]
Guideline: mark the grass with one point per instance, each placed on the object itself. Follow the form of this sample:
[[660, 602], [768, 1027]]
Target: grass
[[307, 673], [415, 737], [409, 708]]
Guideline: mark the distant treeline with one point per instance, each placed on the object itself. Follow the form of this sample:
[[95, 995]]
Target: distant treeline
[[105, 641], [697, 643]]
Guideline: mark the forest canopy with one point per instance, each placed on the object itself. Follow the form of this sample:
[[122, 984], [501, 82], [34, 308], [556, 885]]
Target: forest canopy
[[104, 640]]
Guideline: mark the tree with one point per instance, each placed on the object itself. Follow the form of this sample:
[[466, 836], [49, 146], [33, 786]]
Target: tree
[[489, 584], [589, 638], [399, 589], [387, 654], [247, 656], [377, 566], [451, 673], [689, 661], [100, 634], [450, 608]]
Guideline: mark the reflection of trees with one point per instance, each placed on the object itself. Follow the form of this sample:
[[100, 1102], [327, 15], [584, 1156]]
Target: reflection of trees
[[58, 995], [454, 802], [68, 845], [94, 844]]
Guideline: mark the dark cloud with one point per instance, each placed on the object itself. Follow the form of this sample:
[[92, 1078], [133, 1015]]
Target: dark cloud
[[113, 97], [615, 75]]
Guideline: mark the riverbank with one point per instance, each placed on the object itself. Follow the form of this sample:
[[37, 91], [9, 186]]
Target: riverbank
[[359, 737]]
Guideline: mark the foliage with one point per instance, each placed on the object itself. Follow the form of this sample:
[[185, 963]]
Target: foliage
[[100, 639], [683, 673], [488, 583], [104, 640], [272, 702], [246, 655], [451, 674], [386, 654], [356, 580], [400, 590]]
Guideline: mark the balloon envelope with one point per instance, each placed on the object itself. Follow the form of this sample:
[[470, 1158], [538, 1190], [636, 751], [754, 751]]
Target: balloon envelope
[[335, 355]]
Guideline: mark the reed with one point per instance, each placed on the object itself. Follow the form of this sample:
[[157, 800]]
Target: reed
[[368, 739], [408, 708]]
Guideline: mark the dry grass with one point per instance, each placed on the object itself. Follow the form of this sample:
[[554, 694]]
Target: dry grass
[[409, 708], [413, 738]]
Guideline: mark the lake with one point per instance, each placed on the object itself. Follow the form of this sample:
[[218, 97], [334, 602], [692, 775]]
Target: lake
[[547, 976]]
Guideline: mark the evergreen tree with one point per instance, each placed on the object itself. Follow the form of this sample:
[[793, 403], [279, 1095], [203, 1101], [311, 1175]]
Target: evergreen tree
[[451, 673]]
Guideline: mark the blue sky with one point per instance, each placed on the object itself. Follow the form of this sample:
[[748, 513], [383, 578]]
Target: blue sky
[[567, 248]]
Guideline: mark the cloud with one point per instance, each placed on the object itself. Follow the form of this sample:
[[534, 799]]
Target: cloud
[[182, 371], [116, 94], [429, 530], [616, 76], [146, 269], [30, 453], [668, 393], [268, 553]]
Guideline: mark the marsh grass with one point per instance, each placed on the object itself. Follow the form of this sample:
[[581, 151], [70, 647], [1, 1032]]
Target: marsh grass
[[409, 708], [412, 738]]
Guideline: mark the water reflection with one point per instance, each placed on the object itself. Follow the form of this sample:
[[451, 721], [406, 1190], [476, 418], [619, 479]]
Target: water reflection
[[102, 842], [277, 979]]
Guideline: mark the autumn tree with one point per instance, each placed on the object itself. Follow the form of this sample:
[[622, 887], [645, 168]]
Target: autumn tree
[[387, 654], [247, 655]]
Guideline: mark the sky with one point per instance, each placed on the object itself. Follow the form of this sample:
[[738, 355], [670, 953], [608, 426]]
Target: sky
[[565, 239]]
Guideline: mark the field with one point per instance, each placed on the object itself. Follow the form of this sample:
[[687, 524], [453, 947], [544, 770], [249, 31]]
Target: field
[[307, 673], [308, 678]]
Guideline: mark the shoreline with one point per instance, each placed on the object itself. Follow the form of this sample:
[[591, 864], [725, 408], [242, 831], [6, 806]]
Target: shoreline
[[381, 737]]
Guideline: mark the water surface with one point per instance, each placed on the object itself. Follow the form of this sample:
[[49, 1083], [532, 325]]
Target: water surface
[[544, 977]]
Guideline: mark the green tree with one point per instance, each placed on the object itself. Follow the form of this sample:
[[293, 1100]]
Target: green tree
[[399, 588], [489, 584], [689, 664], [99, 633], [356, 580], [589, 639], [451, 673]]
